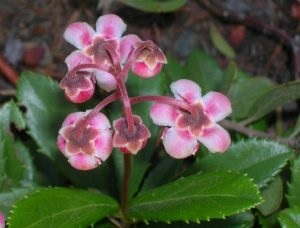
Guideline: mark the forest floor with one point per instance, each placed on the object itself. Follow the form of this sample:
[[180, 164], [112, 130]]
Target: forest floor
[[264, 34]]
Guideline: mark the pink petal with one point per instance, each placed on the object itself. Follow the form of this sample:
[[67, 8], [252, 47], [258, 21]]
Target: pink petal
[[187, 90], [79, 34], [99, 121], [163, 115], [2, 220], [103, 145], [105, 80], [215, 138], [142, 70], [179, 144], [61, 143], [110, 26], [80, 96], [84, 162], [216, 105], [72, 118], [76, 58], [126, 46]]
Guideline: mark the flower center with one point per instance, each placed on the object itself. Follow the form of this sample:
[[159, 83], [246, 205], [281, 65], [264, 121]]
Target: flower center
[[100, 55], [193, 122], [78, 140]]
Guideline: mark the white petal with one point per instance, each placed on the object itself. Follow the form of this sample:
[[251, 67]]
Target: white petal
[[215, 138], [163, 114], [79, 34], [179, 144], [216, 105], [187, 90], [110, 26]]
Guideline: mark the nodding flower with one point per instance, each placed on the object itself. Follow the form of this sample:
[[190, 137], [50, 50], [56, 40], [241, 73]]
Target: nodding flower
[[85, 140], [184, 130]]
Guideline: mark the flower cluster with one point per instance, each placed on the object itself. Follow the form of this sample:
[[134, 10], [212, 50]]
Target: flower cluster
[[103, 58]]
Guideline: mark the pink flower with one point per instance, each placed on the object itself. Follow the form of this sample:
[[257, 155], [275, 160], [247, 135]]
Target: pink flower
[[150, 59], [186, 130], [130, 142], [86, 142], [2, 220], [90, 43], [78, 87]]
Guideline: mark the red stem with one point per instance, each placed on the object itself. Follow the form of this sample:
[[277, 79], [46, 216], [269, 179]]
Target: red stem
[[82, 124], [165, 100], [125, 187]]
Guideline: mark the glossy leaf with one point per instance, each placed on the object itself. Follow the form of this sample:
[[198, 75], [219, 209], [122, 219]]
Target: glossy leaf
[[204, 70], [15, 163], [272, 196], [260, 159], [61, 207], [10, 113], [220, 43], [290, 218], [7, 199], [271, 99], [245, 92], [294, 186], [241, 220], [163, 172], [46, 109], [155, 6], [198, 197]]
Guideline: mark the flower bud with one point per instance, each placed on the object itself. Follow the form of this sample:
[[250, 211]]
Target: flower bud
[[149, 61], [85, 140], [130, 142], [78, 87]]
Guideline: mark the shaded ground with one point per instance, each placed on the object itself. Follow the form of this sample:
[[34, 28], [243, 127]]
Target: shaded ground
[[31, 33]]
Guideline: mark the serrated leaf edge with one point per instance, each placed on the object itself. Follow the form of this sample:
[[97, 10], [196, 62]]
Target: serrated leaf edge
[[197, 220]]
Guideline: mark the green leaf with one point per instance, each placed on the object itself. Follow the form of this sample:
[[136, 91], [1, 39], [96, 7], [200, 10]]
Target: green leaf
[[241, 220], [272, 196], [204, 70], [230, 74], [220, 43], [10, 113], [296, 130], [273, 98], [260, 159], [7, 199], [15, 163], [61, 207], [198, 197], [268, 221], [290, 218], [163, 172], [245, 92], [155, 6], [46, 109], [294, 187], [174, 70]]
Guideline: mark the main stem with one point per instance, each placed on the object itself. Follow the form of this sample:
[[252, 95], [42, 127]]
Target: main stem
[[125, 187]]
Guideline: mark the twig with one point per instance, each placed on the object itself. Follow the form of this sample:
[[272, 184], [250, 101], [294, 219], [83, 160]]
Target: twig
[[8, 92], [10, 73], [292, 142]]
